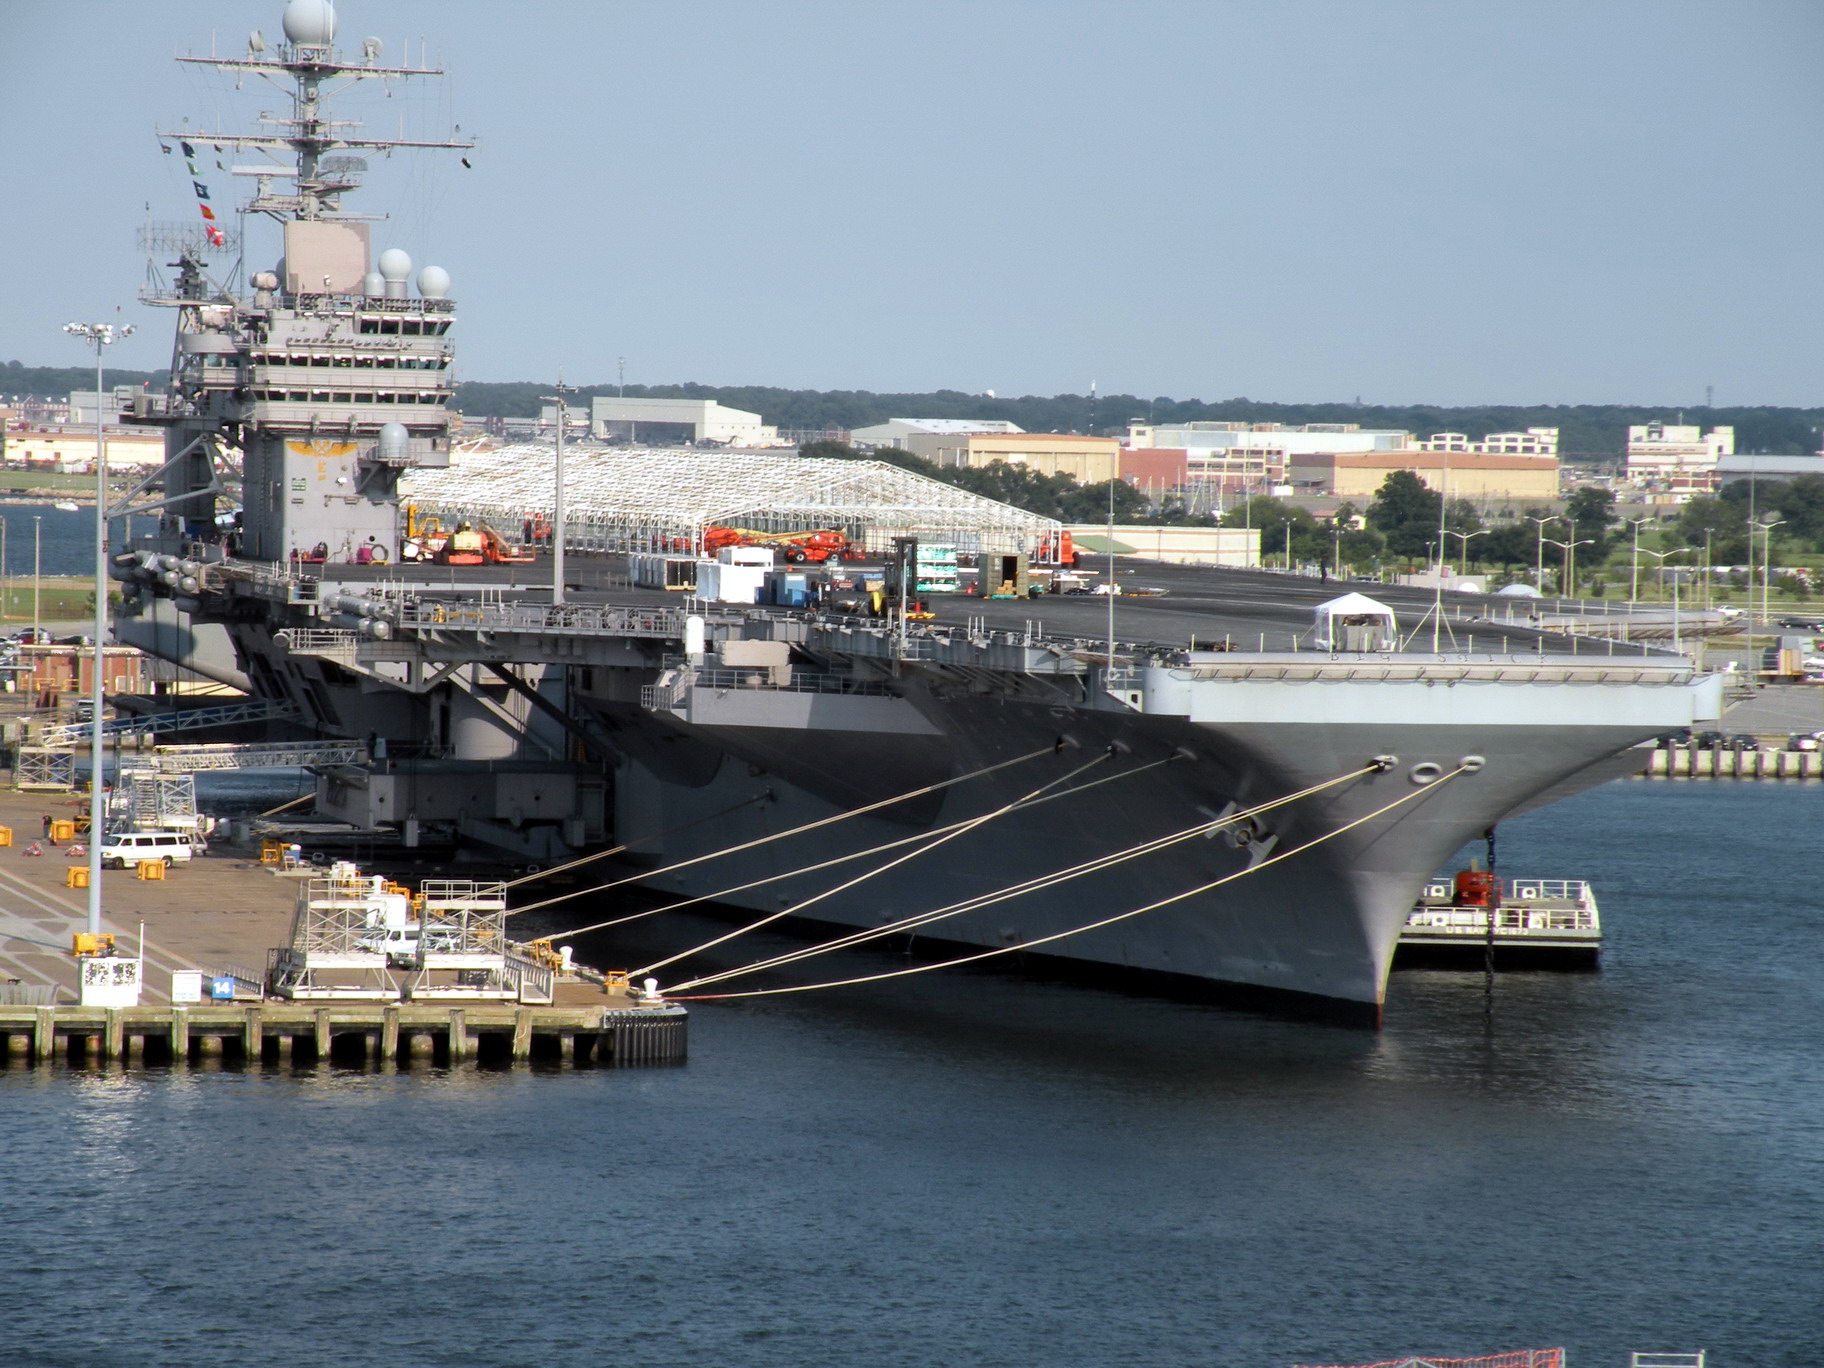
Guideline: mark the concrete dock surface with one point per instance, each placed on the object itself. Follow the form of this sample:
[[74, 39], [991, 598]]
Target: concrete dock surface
[[218, 912]]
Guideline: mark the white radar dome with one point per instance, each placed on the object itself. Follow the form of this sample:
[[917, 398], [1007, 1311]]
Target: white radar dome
[[395, 442], [395, 265], [373, 284], [310, 23], [433, 282]]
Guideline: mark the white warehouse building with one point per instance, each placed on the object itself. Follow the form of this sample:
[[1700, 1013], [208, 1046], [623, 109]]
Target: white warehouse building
[[677, 422], [895, 431]]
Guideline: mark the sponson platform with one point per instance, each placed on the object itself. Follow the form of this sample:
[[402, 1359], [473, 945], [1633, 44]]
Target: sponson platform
[[344, 1034]]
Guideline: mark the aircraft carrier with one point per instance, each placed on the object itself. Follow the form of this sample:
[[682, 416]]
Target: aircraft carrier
[[1226, 787]]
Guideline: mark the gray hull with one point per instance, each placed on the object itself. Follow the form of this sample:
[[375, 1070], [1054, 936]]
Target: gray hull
[[1313, 904]]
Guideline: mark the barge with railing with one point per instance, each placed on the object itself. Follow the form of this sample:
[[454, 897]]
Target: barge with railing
[[1524, 923]]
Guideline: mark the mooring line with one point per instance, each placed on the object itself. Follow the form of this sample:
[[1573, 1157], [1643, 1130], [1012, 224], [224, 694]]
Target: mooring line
[[896, 861], [1033, 885], [833, 860], [800, 830], [616, 850], [1090, 926]]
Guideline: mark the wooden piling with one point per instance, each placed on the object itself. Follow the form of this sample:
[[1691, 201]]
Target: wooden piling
[[457, 1033], [459, 1036]]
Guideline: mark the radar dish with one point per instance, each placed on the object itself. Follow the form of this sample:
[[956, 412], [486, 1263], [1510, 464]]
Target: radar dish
[[310, 23], [184, 238]]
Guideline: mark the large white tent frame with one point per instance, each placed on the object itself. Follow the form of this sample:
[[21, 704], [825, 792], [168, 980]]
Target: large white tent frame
[[621, 499]]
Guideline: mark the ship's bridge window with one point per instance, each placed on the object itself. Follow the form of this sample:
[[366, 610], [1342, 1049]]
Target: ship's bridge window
[[343, 399], [411, 327]]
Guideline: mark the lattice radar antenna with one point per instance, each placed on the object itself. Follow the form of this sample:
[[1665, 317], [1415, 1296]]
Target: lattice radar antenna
[[181, 237]]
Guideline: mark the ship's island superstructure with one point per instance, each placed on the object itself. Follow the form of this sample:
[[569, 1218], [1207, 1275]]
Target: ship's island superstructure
[[1321, 786]]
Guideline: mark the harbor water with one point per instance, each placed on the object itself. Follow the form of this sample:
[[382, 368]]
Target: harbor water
[[65, 538], [975, 1169]]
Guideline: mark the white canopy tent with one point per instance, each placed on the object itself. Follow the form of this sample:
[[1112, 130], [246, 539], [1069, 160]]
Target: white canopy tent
[[1356, 622]]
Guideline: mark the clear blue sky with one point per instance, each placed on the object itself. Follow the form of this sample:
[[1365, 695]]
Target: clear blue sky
[[1459, 201]]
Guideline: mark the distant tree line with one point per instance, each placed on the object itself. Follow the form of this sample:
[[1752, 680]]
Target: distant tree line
[[57, 382], [1584, 429], [1596, 430]]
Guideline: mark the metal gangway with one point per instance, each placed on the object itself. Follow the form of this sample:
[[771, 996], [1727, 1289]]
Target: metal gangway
[[74, 734], [275, 755]]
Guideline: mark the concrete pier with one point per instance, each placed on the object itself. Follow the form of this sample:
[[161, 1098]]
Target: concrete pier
[[1703, 762], [221, 913], [276, 1032]]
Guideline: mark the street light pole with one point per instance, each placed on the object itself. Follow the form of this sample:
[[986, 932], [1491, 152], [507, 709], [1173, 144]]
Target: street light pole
[[1662, 557], [1634, 571], [1464, 537], [1567, 568], [37, 574], [557, 497], [1539, 559], [99, 336], [1766, 569]]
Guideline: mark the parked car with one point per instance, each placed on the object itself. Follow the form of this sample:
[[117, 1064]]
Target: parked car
[[1802, 741], [1681, 737], [1803, 624], [1742, 741], [1710, 739]]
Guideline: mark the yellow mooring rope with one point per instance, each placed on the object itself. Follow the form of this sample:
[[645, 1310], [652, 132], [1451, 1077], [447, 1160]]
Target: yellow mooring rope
[[878, 869], [1090, 926], [780, 836], [921, 919], [879, 849]]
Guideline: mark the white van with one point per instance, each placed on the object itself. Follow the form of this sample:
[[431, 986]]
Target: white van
[[136, 847], [402, 944]]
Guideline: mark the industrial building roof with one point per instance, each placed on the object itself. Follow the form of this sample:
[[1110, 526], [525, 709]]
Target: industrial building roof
[[633, 499]]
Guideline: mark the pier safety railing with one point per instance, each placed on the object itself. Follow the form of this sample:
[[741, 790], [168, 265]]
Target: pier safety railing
[[1526, 905], [1030, 648]]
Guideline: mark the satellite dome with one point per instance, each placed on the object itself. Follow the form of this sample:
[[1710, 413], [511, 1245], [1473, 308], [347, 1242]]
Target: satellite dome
[[395, 442], [395, 265], [310, 23], [373, 284], [433, 282]]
